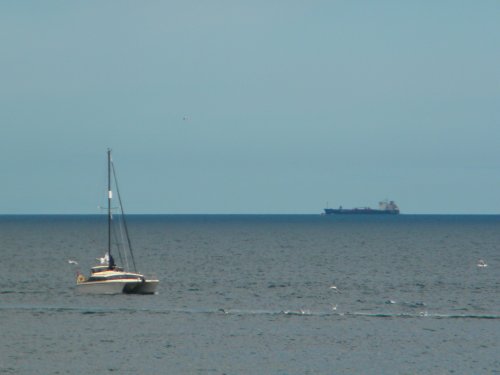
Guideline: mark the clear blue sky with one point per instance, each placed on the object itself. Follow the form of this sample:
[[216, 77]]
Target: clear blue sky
[[250, 106]]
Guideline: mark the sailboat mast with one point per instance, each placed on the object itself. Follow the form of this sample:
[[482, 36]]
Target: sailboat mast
[[110, 195]]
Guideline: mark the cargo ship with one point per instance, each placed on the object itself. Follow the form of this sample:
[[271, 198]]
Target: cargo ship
[[384, 208]]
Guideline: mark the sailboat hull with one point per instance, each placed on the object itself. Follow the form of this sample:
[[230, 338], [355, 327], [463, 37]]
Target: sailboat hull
[[117, 287], [146, 287]]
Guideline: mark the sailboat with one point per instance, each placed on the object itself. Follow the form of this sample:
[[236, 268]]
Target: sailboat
[[107, 277]]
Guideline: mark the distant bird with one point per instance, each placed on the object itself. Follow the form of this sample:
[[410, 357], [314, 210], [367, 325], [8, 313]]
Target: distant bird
[[334, 307], [481, 263], [335, 288], [72, 261]]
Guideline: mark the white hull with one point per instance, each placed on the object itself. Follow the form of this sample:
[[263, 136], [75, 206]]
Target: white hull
[[118, 287], [147, 287]]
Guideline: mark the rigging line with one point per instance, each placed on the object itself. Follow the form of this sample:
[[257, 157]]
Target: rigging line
[[117, 244], [122, 242], [123, 216]]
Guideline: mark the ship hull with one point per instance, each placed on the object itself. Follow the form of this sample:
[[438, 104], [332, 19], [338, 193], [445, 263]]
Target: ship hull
[[117, 287]]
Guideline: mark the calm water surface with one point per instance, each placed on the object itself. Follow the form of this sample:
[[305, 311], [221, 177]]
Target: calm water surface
[[256, 295]]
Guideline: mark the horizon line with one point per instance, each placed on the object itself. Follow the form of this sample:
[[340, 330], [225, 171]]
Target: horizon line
[[247, 214]]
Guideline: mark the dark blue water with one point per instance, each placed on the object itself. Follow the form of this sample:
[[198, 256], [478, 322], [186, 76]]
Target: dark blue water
[[255, 295]]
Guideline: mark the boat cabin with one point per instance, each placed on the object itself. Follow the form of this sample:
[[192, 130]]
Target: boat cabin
[[97, 269]]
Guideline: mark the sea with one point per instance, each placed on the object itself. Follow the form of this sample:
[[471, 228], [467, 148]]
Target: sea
[[256, 294]]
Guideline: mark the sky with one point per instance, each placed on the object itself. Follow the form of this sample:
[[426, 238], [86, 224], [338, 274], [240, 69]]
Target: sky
[[250, 107]]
